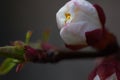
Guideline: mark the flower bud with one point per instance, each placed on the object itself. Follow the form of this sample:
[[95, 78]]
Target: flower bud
[[79, 23], [108, 69]]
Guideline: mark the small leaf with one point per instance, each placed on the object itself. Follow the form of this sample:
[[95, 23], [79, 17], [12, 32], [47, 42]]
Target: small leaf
[[46, 35], [28, 36], [7, 65]]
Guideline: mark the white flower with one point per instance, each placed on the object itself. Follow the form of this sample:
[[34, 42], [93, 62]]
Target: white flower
[[76, 18]]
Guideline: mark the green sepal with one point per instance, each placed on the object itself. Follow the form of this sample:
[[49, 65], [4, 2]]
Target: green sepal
[[7, 65], [28, 37], [46, 35]]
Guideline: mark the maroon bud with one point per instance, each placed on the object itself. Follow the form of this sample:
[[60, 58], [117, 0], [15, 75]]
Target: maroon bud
[[101, 14]]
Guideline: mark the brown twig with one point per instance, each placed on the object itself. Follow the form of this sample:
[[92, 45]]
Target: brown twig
[[68, 55], [44, 56]]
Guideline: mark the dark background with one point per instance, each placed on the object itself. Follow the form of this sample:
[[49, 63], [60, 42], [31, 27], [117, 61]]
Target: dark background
[[19, 16]]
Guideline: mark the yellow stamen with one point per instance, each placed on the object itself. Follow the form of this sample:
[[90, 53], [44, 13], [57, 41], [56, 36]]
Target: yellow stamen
[[68, 16]]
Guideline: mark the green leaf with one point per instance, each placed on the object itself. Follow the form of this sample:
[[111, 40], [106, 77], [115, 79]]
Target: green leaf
[[7, 65], [28, 36], [46, 35]]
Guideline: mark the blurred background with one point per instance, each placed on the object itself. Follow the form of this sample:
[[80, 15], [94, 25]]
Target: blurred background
[[19, 16]]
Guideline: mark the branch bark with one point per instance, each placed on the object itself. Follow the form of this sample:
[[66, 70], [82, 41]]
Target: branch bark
[[56, 55]]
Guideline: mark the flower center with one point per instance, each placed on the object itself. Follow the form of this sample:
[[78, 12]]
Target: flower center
[[67, 17]]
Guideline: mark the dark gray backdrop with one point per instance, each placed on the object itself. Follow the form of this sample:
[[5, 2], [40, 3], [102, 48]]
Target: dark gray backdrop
[[19, 16]]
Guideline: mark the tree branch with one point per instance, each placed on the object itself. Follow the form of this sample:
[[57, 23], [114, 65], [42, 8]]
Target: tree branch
[[44, 56]]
